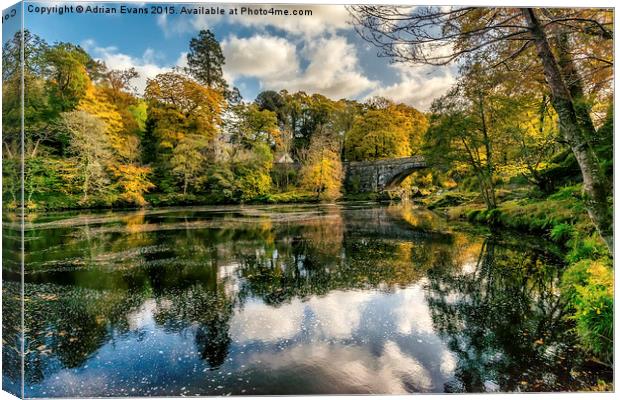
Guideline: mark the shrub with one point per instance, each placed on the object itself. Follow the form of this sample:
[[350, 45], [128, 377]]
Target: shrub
[[493, 217], [562, 233], [585, 248], [567, 192], [588, 288], [472, 216]]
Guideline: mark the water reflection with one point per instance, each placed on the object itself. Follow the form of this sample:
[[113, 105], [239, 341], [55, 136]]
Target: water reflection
[[289, 299]]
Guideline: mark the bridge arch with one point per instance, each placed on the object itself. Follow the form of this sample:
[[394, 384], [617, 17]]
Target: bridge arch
[[379, 175]]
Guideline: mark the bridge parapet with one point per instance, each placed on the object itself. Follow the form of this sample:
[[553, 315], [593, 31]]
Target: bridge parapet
[[379, 175]]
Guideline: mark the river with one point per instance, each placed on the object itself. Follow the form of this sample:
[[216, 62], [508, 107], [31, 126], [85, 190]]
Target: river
[[296, 299]]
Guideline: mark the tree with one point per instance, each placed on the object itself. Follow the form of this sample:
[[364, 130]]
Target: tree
[[180, 104], [274, 102], [133, 182], [91, 149], [255, 126], [205, 61], [120, 80], [575, 132], [474, 125], [179, 109], [500, 36], [68, 79], [321, 170], [379, 133], [187, 161], [536, 135]]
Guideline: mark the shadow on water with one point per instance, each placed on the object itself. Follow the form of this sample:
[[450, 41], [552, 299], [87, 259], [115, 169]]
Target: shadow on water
[[353, 298]]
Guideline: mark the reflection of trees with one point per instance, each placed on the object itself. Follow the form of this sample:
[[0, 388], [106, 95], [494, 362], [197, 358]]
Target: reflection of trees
[[210, 308], [69, 324], [197, 276], [502, 318], [341, 252], [11, 320]]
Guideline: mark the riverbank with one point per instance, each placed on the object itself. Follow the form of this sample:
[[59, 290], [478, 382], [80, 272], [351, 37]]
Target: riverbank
[[586, 282]]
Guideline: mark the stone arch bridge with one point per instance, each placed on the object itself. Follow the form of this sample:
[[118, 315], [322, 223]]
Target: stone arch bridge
[[379, 175]]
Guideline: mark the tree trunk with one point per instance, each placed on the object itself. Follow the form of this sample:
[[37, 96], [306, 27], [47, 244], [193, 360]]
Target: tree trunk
[[574, 85], [595, 184]]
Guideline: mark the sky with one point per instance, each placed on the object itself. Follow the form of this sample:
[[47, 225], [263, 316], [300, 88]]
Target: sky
[[317, 54]]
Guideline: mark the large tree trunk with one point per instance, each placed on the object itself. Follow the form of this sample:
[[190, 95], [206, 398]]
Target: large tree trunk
[[574, 85], [595, 184]]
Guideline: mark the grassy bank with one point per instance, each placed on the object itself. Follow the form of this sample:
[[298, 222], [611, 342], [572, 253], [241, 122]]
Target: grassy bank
[[587, 280]]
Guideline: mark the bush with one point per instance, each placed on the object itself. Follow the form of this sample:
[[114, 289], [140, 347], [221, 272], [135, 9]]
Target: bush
[[562, 233], [567, 193], [585, 248], [588, 288], [493, 217]]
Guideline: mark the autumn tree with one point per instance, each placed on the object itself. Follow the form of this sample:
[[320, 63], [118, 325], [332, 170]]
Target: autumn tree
[[90, 147], [181, 113], [256, 125], [380, 132], [321, 171], [573, 47]]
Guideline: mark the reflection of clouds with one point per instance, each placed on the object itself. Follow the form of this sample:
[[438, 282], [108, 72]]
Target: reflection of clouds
[[357, 369], [397, 366], [227, 277], [412, 314], [257, 321], [334, 316], [67, 383], [448, 363], [469, 267], [142, 316], [338, 314]]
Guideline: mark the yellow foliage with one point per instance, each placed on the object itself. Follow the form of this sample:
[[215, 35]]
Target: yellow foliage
[[133, 181], [322, 172], [385, 133]]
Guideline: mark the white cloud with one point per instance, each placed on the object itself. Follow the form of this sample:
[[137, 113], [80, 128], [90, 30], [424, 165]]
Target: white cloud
[[259, 56], [333, 66], [418, 85], [146, 65], [334, 70]]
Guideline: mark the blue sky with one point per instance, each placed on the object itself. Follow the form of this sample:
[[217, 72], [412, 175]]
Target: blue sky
[[318, 54]]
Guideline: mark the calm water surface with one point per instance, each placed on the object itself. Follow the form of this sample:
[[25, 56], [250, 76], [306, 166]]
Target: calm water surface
[[348, 298]]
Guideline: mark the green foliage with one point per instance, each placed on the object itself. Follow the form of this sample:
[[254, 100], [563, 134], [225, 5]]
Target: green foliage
[[561, 233], [585, 248], [68, 75], [588, 287], [567, 193]]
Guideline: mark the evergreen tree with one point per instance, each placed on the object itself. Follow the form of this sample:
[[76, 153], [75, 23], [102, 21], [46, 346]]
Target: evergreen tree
[[205, 61]]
